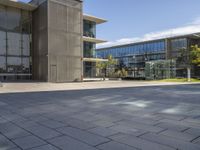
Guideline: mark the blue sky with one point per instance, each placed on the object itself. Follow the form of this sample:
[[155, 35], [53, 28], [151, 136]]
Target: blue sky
[[133, 20]]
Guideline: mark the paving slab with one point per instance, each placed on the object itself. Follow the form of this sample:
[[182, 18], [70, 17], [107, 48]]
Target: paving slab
[[12, 131], [179, 135], [172, 127], [45, 147], [172, 142], [115, 146], [193, 131], [43, 132], [16, 148], [67, 143], [106, 115], [182, 123], [141, 126], [141, 143], [29, 142], [6, 143], [105, 132], [84, 136], [103, 123], [127, 130], [79, 123], [52, 124]]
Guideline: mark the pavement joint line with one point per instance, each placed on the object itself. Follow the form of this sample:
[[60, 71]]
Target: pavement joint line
[[102, 143], [195, 139], [162, 131], [142, 134], [113, 135], [184, 117], [185, 129], [11, 141], [157, 124]]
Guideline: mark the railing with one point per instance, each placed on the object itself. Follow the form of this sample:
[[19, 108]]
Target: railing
[[89, 34]]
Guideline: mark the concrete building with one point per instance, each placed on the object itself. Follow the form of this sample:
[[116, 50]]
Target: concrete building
[[46, 40], [134, 56]]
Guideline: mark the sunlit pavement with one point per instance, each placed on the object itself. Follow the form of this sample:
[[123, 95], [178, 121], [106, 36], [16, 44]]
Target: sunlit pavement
[[108, 117]]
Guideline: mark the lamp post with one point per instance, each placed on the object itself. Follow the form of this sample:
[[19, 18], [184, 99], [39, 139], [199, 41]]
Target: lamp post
[[134, 57]]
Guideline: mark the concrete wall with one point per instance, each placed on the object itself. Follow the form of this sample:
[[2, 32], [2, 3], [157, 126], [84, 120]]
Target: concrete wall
[[65, 40], [40, 43], [57, 40]]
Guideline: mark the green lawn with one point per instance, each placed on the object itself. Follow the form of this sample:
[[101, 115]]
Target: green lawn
[[179, 80]]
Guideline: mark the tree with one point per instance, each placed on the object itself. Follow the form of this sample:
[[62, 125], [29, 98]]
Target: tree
[[184, 61], [188, 58], [195, 55], [107, 64]]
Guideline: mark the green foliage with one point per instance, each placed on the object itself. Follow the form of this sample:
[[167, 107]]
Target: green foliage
[[195, 55], [119, 73], [124, 73], [109, 68], [107, 65], [188, 58], [179, 80]]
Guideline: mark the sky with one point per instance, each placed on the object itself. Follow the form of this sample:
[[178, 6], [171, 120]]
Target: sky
[[138, 20]]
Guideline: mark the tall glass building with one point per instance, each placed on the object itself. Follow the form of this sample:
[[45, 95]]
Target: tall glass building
[[134, 56], [47, 40]]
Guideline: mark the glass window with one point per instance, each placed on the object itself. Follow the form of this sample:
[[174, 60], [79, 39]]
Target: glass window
[[2, 64], [89, 28], [15, 26], [2, 43], [26, 45], [2, 17], [14, 43], [25, 19], [13, 19]]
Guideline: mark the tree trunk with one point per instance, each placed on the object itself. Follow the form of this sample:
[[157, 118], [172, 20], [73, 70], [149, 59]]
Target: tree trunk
[[189, 74]]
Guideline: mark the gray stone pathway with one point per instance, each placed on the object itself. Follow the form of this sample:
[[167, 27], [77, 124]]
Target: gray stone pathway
[[126, 118]]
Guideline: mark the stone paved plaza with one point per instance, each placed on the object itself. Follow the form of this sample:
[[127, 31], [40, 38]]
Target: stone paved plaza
[[124, 118]]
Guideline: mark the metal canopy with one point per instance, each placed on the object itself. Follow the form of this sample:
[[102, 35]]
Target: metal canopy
[[94, 60], [94, 19], [93, 40]]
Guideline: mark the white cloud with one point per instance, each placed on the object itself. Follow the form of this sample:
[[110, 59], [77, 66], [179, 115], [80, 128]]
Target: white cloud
[[190, 28]]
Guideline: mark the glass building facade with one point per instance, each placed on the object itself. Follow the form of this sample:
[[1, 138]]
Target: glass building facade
[[89, 68], [134, 56], [15, 43], [89, 49], [133, 49], [176, 45], [89, 28]]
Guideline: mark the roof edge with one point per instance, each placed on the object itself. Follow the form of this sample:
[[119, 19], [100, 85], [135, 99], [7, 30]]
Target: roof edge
[[94, 19], [153, 40], [17, 4]]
